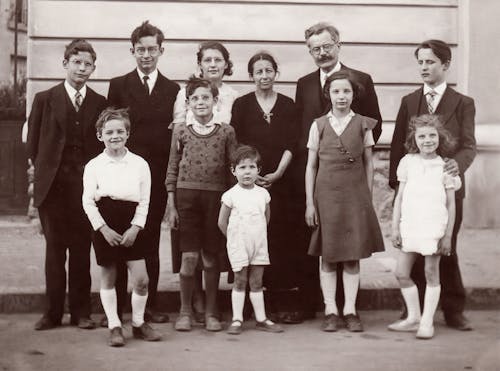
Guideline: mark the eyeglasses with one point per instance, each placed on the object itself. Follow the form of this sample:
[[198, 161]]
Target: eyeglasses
[[326, 47], [152, 50], [79, 63]]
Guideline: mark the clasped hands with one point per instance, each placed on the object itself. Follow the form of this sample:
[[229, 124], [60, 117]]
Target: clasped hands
[[127, 239]]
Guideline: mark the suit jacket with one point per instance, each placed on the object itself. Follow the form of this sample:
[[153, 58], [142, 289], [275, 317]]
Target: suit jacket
[[311, 104], [150, 116], [457, 113], [47, 134]]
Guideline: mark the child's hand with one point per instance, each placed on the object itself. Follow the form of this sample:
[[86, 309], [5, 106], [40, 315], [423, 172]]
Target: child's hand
[[172, 217], [444, 247], [312, 219], [112, 237], [451, 167], [130, 235], [396, 239]]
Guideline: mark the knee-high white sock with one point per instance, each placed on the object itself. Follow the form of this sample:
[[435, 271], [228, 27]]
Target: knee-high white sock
[[138, 308], [431, 300], [257, 300], [410, 295], [108, 300], [237, 302], [328, 281], [351, 286]]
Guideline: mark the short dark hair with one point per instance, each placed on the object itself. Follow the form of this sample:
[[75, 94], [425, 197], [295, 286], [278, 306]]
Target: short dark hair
[[447, 143], [243, 152], [319, 28], [264, 56], [112, 113], [357, 88], [79, 45], [196, 82], [146, 29], [217, 46], [441, 49]]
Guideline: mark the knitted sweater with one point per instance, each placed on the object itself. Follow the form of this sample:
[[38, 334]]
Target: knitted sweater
[[200, 161]]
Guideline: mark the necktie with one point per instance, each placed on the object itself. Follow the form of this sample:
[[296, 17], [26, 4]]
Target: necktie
[[146, 86], [78, 101], [431, 95]]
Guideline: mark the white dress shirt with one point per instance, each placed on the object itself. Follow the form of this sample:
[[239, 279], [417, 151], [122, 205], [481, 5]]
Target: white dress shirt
[[153, 76], [125, 179], [71, 91], [439, 90], [323, 75]]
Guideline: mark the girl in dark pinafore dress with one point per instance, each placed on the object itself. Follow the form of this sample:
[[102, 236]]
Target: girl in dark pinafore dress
[[339, 176]]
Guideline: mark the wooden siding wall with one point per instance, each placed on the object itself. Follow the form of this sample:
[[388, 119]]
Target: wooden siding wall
[[378, 37]]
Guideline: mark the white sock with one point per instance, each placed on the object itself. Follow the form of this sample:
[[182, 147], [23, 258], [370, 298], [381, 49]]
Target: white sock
[[431, 300], [138, 308], [237, 302], [108, 300], [328, 281], [257, 299], [351, 285], [410, 295]]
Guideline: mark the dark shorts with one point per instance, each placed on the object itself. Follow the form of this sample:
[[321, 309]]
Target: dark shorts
[[117, 215], [198, 214]]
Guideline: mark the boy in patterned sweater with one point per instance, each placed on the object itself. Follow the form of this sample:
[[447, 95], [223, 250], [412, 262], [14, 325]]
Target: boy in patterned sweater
[[197, 176]]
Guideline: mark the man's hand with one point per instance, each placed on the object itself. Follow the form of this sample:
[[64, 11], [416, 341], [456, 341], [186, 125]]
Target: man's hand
[[451, 167]]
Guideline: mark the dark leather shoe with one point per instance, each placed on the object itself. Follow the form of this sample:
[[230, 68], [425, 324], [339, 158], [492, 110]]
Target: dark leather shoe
[[86, 323], [293, 318], [353, 323], [331, 323], [104, 322], [458, 321], [146, 332], [45, 323], [155, 317], [116, 338]]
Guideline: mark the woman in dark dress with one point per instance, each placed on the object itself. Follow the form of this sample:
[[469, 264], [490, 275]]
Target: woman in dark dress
[[266, 120]]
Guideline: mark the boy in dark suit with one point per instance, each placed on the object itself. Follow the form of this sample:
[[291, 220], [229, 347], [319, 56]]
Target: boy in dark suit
[[457, 113], [150, 97], [61, 139], [323, 41]]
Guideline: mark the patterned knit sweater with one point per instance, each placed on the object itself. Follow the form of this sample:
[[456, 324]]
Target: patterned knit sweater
[[200, 161]]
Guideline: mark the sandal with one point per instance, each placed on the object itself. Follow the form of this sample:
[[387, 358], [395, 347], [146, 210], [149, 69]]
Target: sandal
[[235, 328]]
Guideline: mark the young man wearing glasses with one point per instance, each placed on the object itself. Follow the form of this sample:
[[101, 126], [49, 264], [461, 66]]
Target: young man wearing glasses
[[150, 97], [323, 42]]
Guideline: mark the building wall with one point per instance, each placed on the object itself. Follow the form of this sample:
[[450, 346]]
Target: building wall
[[7, 44], [378, 37]]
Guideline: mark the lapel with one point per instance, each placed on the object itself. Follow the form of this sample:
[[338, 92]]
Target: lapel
[[58, 105], [314, 92], [158, 90], [447, 105], [90, 105], [135, 87], [414, 100]]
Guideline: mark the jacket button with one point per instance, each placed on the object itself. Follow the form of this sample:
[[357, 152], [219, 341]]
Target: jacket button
[[351, 159], [78, 123]]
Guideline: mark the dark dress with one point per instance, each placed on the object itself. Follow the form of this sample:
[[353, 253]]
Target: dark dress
[[348, 226], [271, 140]]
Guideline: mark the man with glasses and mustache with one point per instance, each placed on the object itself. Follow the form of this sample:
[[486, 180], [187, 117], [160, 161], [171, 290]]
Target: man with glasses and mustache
[[323, 42], [150, 97]]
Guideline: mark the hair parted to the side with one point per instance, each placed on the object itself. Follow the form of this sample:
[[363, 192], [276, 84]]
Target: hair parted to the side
[[318, 28], [447, 143], [147, 29], [196, 82], [244, 152], [79, 45], [112, 113], [217, 46], [440, 49], [357, 89]]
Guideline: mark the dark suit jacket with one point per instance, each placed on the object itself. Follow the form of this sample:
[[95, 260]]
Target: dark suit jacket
[[310, 106], [47, 134], [150, 115], [457, 113]]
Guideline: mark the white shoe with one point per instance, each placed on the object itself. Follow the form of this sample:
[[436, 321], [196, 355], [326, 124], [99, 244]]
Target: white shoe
[[425, 332], [404, 325]]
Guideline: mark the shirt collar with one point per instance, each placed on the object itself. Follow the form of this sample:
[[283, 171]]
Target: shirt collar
[[153, 76], [438, 89], [192, 121], [323, 75], [347, 117], [72, 91], [109, 159]]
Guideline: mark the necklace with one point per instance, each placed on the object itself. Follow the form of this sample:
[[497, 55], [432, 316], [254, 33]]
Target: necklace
[[266, 105]]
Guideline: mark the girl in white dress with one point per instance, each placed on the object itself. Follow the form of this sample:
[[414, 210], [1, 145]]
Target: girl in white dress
[[243, 219], [423, 218]]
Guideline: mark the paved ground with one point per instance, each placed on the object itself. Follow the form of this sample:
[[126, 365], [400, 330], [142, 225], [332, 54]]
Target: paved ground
[[301, 347]]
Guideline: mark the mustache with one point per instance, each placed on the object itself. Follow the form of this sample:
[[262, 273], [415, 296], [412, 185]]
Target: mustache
[[325, 58]]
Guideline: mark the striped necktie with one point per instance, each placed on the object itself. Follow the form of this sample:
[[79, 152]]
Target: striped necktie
[[78, 101], [146, 86], [431, 95]]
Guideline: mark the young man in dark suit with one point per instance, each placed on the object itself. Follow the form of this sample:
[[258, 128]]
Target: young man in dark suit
[[150, 97], [61, 140], [457, 113], [323, 41]]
